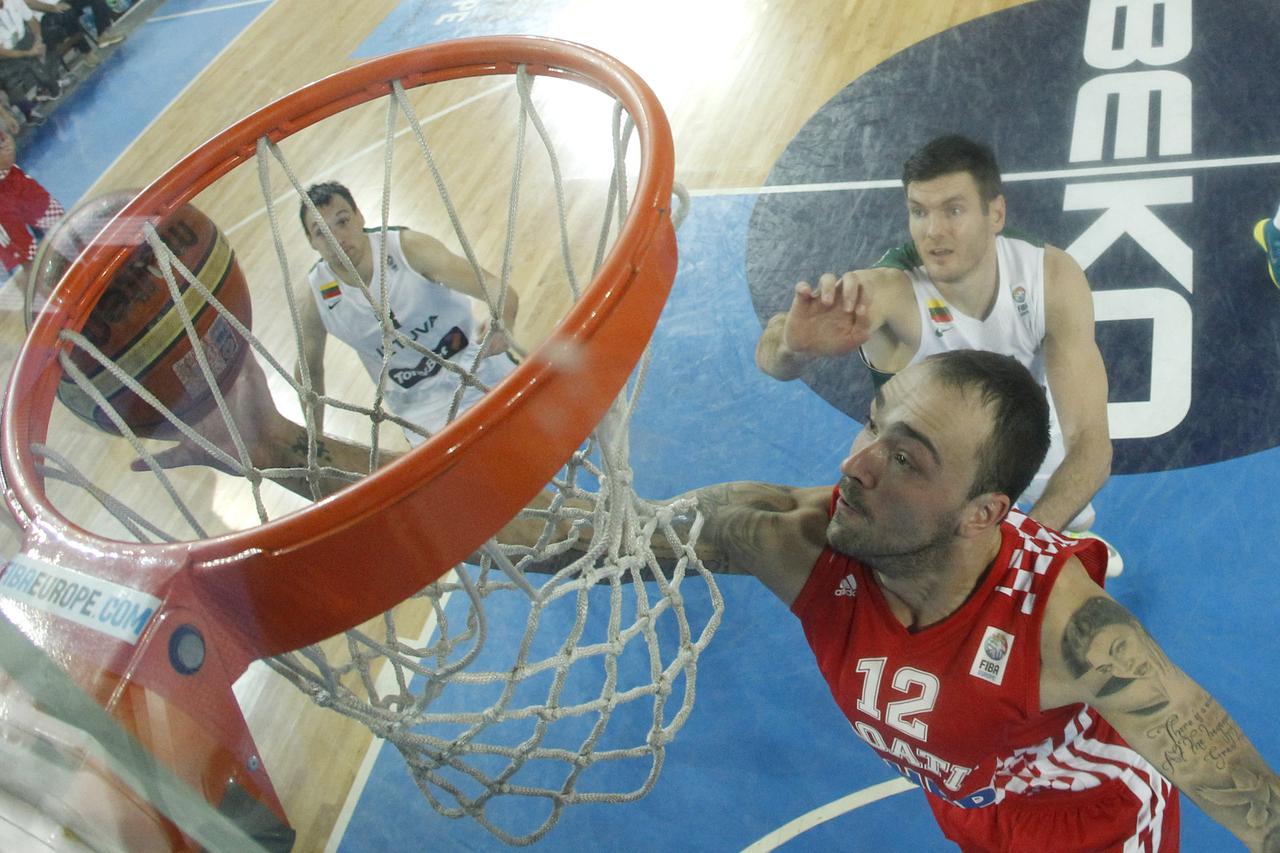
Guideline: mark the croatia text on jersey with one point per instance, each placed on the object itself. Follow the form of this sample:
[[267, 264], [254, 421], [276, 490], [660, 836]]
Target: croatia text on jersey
[[978, 799], [953, 776]]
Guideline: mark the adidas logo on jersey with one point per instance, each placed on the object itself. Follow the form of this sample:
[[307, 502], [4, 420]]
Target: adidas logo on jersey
[[848, 586]]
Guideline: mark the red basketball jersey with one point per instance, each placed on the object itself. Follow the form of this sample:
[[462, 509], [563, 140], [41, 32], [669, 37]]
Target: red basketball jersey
[[24, 204], [955, 706]]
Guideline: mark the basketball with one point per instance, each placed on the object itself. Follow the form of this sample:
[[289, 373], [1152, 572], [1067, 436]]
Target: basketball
[[64, 243], [137, 325]]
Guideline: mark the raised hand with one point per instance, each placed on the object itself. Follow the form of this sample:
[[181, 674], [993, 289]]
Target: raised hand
[[498, 343], [832, 320]]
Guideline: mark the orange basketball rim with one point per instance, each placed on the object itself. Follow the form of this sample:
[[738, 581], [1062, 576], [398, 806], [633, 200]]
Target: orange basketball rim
[[309, 575]]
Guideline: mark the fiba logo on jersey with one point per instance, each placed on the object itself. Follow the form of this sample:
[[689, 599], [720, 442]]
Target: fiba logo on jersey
[[996, 647], [1020, 300], [991, 659], [1107, 127]]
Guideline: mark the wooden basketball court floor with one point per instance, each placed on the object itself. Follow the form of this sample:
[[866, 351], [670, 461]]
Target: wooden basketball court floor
[[766, 761]]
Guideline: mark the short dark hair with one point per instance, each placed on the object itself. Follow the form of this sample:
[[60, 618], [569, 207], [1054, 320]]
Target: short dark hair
[[321, 195], [1019, 438], [953, 153]]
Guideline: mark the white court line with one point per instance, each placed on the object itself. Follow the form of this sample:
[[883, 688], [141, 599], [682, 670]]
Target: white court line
[[208, 10], [336, 170], [354, 793], [385, 684], [1052, 174], [827, 812], [92, 192]]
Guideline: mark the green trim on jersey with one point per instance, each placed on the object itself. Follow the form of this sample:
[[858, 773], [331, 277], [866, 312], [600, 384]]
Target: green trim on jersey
[[906, 257], [878, 377], [377, 229], [1015, 234]]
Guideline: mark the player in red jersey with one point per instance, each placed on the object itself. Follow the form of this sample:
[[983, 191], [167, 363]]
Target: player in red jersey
[[27, 211], [974, 649]]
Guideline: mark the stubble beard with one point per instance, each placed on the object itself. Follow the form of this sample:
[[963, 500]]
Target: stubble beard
[[888, 553], [953, 273]]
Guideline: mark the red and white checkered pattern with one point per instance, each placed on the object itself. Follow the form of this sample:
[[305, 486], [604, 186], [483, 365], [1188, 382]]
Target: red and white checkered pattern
[[1031, 559]]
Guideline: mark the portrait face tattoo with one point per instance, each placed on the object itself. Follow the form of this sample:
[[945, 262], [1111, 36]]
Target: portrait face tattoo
[[1105, 643]]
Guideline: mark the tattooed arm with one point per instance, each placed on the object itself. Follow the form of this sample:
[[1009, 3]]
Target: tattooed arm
[[1094, 651], [772, 532]]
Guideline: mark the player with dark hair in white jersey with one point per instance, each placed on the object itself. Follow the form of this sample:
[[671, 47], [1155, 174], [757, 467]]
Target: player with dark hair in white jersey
[[964, 281], [433, 297]]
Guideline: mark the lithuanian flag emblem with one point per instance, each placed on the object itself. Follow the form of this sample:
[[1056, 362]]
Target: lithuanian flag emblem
[[330, 290], [938, 311]]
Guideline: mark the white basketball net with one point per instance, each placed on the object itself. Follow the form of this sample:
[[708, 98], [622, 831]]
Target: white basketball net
[[604, 656], [604, 673]]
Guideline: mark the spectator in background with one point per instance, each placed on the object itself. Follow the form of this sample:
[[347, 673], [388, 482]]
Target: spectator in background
[[9, 115], [22, 44], [27, 211], [60, 20], [25, 64]]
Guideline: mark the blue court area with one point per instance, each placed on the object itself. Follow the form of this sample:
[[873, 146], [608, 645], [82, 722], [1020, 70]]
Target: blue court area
[[765, 743]]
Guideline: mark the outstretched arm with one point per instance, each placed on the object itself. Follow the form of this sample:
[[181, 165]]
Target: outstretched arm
[[1094, 651], [772, 532], [314, 337], [1078, 382], [432, 259], [271, 440]]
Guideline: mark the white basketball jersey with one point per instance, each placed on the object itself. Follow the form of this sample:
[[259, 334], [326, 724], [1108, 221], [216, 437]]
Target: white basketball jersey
[[1015, 325], [424, 311]]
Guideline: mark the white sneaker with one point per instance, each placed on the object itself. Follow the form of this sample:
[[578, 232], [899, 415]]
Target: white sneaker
[[1115, 563]]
